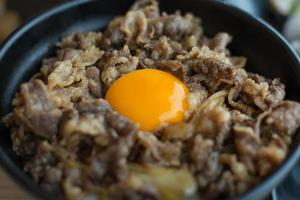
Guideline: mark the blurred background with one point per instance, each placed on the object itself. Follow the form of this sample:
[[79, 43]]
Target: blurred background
[[14, 12], [284, 15]]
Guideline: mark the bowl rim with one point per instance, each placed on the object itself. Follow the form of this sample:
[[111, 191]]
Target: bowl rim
[[26, 182]]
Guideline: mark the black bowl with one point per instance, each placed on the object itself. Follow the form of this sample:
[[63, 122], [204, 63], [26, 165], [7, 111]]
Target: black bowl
[[20, 57]]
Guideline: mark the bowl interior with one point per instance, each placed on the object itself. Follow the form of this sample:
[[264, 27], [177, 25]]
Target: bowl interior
[[21, 57]]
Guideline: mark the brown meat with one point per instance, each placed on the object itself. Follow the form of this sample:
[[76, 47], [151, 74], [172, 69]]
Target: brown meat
[[93, 75], [214, 124], [155, 151], [205, 161], [38, 113], [81, 40], [177, 26], [219, 42], [283, 120], [174, 67]]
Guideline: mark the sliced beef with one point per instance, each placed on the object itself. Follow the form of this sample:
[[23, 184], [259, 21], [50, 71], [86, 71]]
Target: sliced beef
[[38, 113], [93, 76], [283, 120], [219, 42]]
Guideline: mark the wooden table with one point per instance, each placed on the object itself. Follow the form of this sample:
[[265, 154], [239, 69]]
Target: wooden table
[[9, 190]]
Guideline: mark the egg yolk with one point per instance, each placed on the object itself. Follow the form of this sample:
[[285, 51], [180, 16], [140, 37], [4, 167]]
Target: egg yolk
[[149, 97]]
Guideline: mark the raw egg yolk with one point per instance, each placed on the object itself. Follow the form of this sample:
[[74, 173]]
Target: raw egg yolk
[[149, 97]]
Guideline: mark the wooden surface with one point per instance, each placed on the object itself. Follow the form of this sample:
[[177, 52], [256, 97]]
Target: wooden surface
[[10, 190]]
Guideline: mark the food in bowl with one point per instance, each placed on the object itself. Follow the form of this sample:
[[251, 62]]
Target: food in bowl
[[150, 108]]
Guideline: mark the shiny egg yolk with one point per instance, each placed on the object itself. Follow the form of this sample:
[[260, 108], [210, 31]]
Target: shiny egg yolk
[[149, 97]]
